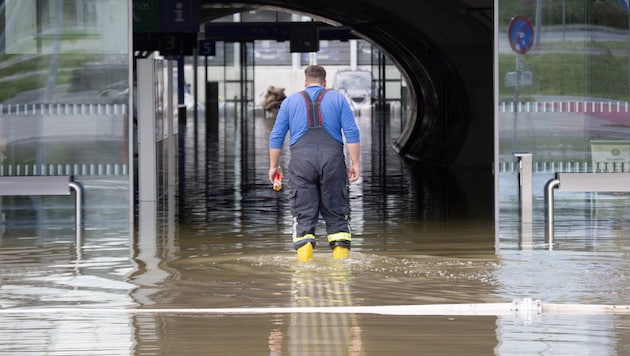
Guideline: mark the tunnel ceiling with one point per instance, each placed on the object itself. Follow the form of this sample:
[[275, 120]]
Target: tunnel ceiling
[[444, 50]]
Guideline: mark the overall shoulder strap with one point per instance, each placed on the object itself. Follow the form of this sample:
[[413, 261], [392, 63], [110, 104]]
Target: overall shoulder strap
[[318, 106], [313, 107], [309, 107]]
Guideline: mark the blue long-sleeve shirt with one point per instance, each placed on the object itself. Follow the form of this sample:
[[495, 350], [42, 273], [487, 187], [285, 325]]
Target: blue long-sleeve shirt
[[292, 117]]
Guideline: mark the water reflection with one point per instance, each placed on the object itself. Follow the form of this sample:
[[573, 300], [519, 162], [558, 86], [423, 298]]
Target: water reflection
[[322, 334]]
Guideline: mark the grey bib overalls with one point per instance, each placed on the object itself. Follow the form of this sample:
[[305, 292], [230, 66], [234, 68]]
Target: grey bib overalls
[[318, 182]]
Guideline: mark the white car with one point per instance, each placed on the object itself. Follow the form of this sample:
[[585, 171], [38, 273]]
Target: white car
[[356, 85]]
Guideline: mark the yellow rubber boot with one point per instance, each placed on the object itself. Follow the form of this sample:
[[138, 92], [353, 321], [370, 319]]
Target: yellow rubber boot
[[340, 252], [305, 252]]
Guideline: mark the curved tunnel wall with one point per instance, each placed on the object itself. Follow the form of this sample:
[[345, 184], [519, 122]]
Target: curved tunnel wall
[[444, 49]]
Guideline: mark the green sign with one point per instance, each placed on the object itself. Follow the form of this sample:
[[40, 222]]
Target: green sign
[[146, 15]]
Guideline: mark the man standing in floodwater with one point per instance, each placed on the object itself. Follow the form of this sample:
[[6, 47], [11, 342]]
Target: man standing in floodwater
[[317, 120]]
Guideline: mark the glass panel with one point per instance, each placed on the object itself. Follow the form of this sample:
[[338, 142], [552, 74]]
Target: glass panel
[[364, 52], [264, 16], [564, 84], [271, 52], [331, 52], [64, 95]]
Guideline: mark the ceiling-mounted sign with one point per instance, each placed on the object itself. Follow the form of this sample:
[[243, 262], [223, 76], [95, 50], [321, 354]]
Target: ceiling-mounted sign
[[165, 16], [207, 48], [304, 40], [146, 16], [521, 34], [169, 44], [179, 16]]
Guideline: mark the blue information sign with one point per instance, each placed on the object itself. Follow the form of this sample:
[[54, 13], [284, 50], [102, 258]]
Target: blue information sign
[[179, 16], [625, 4], [521, 34], [207, 48]]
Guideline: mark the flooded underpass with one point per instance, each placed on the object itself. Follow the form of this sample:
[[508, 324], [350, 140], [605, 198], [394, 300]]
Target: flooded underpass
[[220, 277]]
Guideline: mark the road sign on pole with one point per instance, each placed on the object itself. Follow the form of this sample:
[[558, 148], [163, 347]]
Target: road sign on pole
[[518, 79], [521, 34]]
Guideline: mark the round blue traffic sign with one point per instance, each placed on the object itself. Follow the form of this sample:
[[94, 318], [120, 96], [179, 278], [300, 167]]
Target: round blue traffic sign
[[521, 34]]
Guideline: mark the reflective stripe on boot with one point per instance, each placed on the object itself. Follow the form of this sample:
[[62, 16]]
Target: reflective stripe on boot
[[302, 240], [340, 244], [340, 239]]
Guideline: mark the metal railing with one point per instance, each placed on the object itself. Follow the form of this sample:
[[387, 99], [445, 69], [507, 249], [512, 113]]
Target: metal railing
[[83, 169], [581, 182], [44, 185]]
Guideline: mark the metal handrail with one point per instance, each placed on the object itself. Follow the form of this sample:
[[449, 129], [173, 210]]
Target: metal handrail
[[78, 203], [549, 187], [44, 185]]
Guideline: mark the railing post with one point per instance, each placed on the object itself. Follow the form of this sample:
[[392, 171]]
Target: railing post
[[525, 185], [78, 204], [549, 187]]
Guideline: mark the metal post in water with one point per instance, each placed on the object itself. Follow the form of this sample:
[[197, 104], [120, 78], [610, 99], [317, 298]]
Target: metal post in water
[[549, 188], [525, 185], [78, 204]]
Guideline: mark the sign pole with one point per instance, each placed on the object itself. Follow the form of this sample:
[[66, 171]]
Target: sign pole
[[521, 36], [517, 82], [626, 6]]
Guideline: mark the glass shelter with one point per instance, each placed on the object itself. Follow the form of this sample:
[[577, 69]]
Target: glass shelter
[[563, 82], [64, 105]]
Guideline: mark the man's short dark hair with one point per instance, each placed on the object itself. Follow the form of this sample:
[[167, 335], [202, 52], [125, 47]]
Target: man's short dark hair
[[315, 72]]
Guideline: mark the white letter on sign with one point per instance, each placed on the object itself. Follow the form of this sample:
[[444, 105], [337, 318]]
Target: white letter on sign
[[179, 13]]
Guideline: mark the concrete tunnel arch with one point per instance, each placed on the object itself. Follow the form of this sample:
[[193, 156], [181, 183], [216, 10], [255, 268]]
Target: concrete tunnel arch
[[444, 51]]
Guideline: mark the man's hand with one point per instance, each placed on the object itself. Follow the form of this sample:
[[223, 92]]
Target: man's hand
[[272, 173], [274, 158], [354, 172]]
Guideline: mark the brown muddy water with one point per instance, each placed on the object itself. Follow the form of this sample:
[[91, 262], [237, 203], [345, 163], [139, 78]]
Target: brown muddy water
[[220, 278]]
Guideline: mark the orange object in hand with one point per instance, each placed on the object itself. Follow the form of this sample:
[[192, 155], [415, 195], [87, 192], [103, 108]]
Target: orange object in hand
[[277, 180]]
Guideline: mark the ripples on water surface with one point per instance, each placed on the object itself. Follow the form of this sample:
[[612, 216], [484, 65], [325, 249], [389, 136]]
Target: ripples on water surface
[[231, 249]]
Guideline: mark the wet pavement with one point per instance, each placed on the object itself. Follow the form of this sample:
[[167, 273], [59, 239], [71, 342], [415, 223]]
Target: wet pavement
[[221, 278]]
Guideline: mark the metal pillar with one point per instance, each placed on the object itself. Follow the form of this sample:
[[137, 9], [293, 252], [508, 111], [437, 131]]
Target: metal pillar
[[525, 185]]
